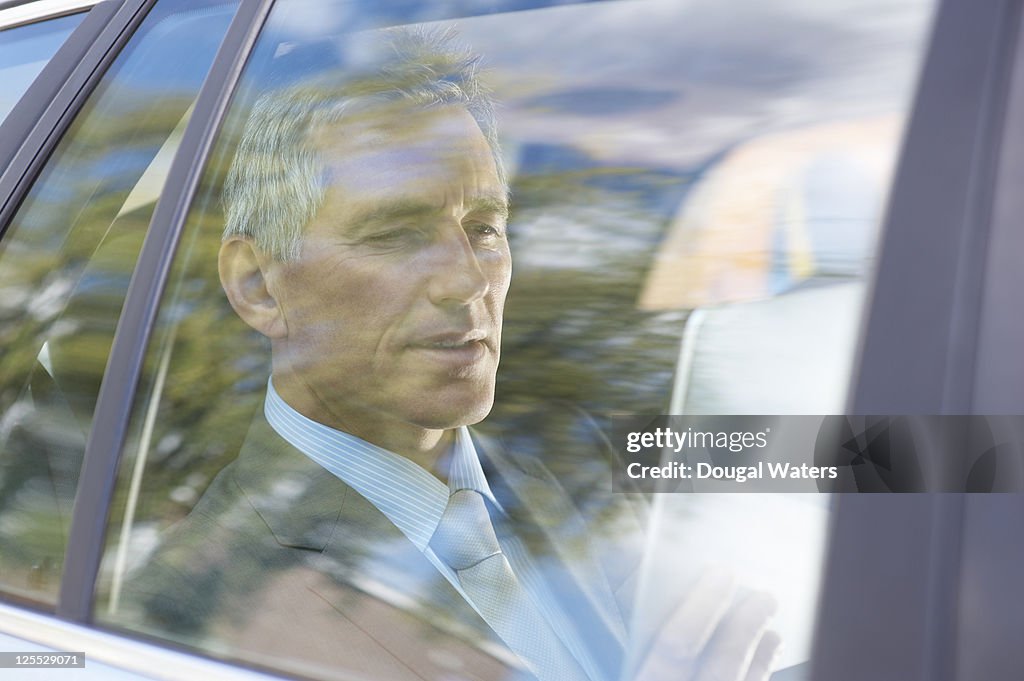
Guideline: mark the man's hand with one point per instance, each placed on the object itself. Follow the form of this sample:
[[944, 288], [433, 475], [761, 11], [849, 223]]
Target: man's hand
[[711, 636]]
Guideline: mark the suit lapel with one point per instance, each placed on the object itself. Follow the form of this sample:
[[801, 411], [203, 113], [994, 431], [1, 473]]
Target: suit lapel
[[297, 499]]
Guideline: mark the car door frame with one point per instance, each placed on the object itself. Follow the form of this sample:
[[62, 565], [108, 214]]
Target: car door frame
[[957, 125]]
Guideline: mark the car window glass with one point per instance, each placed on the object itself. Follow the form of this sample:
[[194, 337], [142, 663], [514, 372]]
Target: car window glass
[[24, 51], [692, 202], [65, 261]]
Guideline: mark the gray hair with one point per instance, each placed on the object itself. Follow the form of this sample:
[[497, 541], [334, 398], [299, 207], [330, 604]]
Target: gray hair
[[276, 183]]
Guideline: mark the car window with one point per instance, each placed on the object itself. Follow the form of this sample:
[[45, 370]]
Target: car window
[[644, 207], [65, 261], [24, 51]]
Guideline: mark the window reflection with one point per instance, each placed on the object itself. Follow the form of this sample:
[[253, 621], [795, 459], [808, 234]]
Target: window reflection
[[646, 144]]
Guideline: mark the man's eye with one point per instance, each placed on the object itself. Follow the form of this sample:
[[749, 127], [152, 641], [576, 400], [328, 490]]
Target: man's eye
[[483, 230]]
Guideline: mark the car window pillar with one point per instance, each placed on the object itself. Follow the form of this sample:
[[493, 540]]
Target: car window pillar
[[919, 356]]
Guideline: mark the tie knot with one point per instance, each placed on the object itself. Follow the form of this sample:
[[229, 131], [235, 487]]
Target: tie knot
[[464, 536]]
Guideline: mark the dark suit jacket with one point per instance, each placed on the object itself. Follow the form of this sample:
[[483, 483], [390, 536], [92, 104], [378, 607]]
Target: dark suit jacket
[[282, 563]]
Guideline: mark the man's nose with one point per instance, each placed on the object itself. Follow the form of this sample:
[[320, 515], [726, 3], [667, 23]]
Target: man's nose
[[457, 276]]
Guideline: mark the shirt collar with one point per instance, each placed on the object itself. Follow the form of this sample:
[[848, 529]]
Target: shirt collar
[[405, 492]]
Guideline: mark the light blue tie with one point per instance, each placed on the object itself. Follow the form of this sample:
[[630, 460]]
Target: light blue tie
[[466, 542]]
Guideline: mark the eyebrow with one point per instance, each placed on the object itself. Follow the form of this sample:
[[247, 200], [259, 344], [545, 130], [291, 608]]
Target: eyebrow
[[392, 211], [497, 205], [400, 210]]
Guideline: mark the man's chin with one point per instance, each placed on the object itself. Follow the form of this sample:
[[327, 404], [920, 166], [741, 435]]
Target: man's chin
[[445, 413]]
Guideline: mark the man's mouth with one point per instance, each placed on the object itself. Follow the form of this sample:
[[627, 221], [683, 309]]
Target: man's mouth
[[453, 340], [447, 345], [458, 347]]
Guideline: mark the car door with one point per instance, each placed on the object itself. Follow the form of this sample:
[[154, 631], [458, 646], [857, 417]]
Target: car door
[[600, 192]]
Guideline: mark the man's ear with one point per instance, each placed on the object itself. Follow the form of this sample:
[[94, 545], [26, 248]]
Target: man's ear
[[243, 274]]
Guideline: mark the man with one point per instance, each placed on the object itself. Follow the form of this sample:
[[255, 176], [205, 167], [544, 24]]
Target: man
[[363, 527]]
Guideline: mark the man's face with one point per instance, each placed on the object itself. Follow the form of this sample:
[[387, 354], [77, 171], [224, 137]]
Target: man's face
[[393, 309]]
